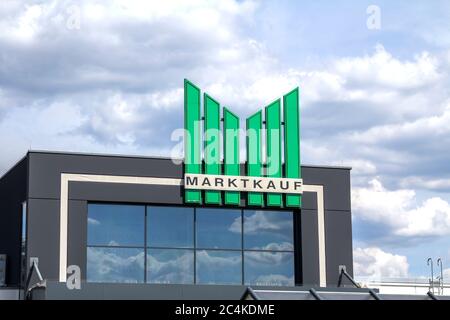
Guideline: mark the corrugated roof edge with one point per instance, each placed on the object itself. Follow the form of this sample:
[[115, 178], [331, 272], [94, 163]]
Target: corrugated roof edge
[[159, 157]]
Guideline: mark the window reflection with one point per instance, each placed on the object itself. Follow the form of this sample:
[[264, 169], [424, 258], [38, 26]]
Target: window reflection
[[116, 241], [219, 267], [116, 225], [219, 229], [269, 268], [115, 265], [268, 230], [170, 227], [170, 266]]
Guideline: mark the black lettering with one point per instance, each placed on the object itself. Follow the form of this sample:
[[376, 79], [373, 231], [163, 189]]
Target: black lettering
[[191, 181], [206, 182], [232, 182], [219, 181], [297, 185], [257, 183], [285, 187], [271, 185], [245, 182]]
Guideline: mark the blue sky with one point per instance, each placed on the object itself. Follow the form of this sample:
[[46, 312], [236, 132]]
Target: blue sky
[[100, 76]]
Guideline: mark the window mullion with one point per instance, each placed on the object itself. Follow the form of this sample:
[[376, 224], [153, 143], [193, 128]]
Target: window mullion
[[145, 246]]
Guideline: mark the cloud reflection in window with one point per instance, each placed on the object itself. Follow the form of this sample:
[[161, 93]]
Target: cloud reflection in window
[[115, 265], [170, 266]]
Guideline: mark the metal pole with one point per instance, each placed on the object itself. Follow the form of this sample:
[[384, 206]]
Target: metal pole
[[430, 262], [315, 294], [374, 294], [441, 279]]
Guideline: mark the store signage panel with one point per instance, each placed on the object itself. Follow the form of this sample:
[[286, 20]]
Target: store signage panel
[[242, 183], [219, 174]]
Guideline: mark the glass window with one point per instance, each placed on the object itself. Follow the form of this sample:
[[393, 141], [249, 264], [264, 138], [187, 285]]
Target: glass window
[[116, 225], [115, 265], [170, 227], [264, 268], [219, 229], [219, 267], [170, 266], [268, 230], [186, 245]]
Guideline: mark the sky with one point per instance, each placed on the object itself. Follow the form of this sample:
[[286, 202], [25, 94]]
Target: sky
[[107, 77]]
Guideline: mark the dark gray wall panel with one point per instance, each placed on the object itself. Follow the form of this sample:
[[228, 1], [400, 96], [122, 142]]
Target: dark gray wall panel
[[120, 192], [43, 235], [336, 184], [46, 168], [13, 191], [309, 201], [338, 242], [310, 245]]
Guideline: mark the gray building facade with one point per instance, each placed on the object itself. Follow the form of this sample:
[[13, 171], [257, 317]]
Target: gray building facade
[[32, 222]]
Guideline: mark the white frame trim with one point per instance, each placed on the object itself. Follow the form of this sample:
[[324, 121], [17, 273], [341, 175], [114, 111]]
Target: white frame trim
[[71, 177], [318, 189]]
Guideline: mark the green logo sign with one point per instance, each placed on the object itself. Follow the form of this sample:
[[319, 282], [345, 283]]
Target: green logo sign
[[259, 183]]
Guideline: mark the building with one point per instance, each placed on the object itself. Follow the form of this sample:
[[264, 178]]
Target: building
[[99, 226], [92, 226], [85, 210], [95, 226]]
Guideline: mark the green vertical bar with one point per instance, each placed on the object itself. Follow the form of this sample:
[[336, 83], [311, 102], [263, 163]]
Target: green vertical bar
[[292, 143], [231, 152], [192, 154], [212, 144], [273, 146], [254, 163]]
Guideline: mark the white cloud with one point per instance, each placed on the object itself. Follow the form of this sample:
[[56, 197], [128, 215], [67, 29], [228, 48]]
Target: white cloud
[[26, 24], [425, 183], [171, 269], [206, 258], [399, 210], [376, 264], [365, 167], [93, 222], [261, 221], [383, 70], [265, 258], [110, 265], [276, 246], [433, 127], [256, 222]]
